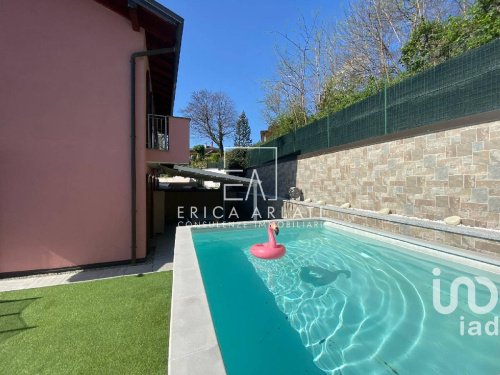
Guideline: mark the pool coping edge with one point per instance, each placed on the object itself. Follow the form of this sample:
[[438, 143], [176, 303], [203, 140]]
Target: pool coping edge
[[193, 347]]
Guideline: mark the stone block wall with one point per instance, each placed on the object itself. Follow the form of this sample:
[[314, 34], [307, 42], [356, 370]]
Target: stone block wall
[[292, 210], [432, 176]]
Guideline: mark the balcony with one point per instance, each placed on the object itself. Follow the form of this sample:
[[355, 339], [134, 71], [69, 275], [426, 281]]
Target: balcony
[[157, 136], [167, 139]]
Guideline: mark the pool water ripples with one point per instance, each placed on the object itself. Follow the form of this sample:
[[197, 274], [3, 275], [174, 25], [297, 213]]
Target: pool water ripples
[[339, 303], [358, 309]]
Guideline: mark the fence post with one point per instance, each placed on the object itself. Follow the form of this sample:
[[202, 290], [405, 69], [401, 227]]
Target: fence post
[[328, 129], [385, 107], [295, 139]]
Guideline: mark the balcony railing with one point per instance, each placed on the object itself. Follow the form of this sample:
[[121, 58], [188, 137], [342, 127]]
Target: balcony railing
[[157, 132]]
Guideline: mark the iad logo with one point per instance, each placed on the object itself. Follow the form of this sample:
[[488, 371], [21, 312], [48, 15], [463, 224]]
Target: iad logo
[[471, 294], [474, 327]]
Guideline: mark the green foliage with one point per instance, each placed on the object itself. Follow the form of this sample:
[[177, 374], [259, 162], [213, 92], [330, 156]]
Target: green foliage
[[434, 42], [242, 135], [335, 99], [288, 122], [198, 159], [200, 152], [485, 25], [214, 160], [429, 44], [236, 159], [198, 163], [215, 157], [202, 160], [283, 124]]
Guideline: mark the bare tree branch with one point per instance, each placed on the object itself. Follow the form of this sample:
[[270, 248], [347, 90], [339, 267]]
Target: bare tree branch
[[213, 116]]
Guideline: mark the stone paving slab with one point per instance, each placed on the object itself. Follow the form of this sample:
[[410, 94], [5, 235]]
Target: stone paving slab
[[193, 348]]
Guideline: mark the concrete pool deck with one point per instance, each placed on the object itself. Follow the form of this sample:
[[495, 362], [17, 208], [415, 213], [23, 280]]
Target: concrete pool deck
[[194, 348], [193, 345]]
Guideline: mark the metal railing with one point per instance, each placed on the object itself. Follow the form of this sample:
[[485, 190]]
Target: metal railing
[[157, 132]]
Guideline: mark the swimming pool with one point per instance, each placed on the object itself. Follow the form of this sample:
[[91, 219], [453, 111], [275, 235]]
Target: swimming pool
[[340, 302]]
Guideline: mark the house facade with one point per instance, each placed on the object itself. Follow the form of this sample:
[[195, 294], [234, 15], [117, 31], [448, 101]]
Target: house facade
[[86, 103]]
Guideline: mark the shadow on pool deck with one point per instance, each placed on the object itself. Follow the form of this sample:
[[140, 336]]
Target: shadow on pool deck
[[160, 259]]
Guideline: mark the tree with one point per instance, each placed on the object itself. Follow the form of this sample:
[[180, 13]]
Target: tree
[[198, 158], [242, 136], [433, 42], [336, 99], [237, 159], [321, 69], [375, 31], [305, 60], [427, 47], [212, 116], [200, 152]]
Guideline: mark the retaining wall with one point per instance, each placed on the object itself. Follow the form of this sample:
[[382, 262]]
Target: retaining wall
[[430, 176]]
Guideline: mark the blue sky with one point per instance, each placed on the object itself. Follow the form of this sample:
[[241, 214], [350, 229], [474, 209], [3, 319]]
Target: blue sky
[[229, 46]]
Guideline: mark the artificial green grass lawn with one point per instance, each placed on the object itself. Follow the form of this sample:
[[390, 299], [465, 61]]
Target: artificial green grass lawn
[[114, 326]]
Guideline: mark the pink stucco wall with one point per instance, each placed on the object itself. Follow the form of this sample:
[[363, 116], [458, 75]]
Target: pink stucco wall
[[178, 146], [64, 135]]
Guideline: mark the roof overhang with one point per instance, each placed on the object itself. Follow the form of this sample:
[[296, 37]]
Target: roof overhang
[[181, 170], [163, 29]]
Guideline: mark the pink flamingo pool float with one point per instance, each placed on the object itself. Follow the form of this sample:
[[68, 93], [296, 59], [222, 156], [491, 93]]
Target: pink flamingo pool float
[[270, 249]]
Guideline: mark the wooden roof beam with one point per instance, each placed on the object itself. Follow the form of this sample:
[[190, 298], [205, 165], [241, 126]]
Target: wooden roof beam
[[160, 70], [163, 31]]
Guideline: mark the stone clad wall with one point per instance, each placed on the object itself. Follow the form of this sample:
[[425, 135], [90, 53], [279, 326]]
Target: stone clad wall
[[297, 210], [453, 172]]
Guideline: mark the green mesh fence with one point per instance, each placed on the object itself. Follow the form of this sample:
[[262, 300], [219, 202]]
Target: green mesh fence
[[463, 86]]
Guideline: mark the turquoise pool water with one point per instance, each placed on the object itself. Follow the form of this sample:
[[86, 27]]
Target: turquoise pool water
[[339, 303]]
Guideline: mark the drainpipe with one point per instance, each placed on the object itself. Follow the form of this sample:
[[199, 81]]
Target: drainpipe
[[133, 170]]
